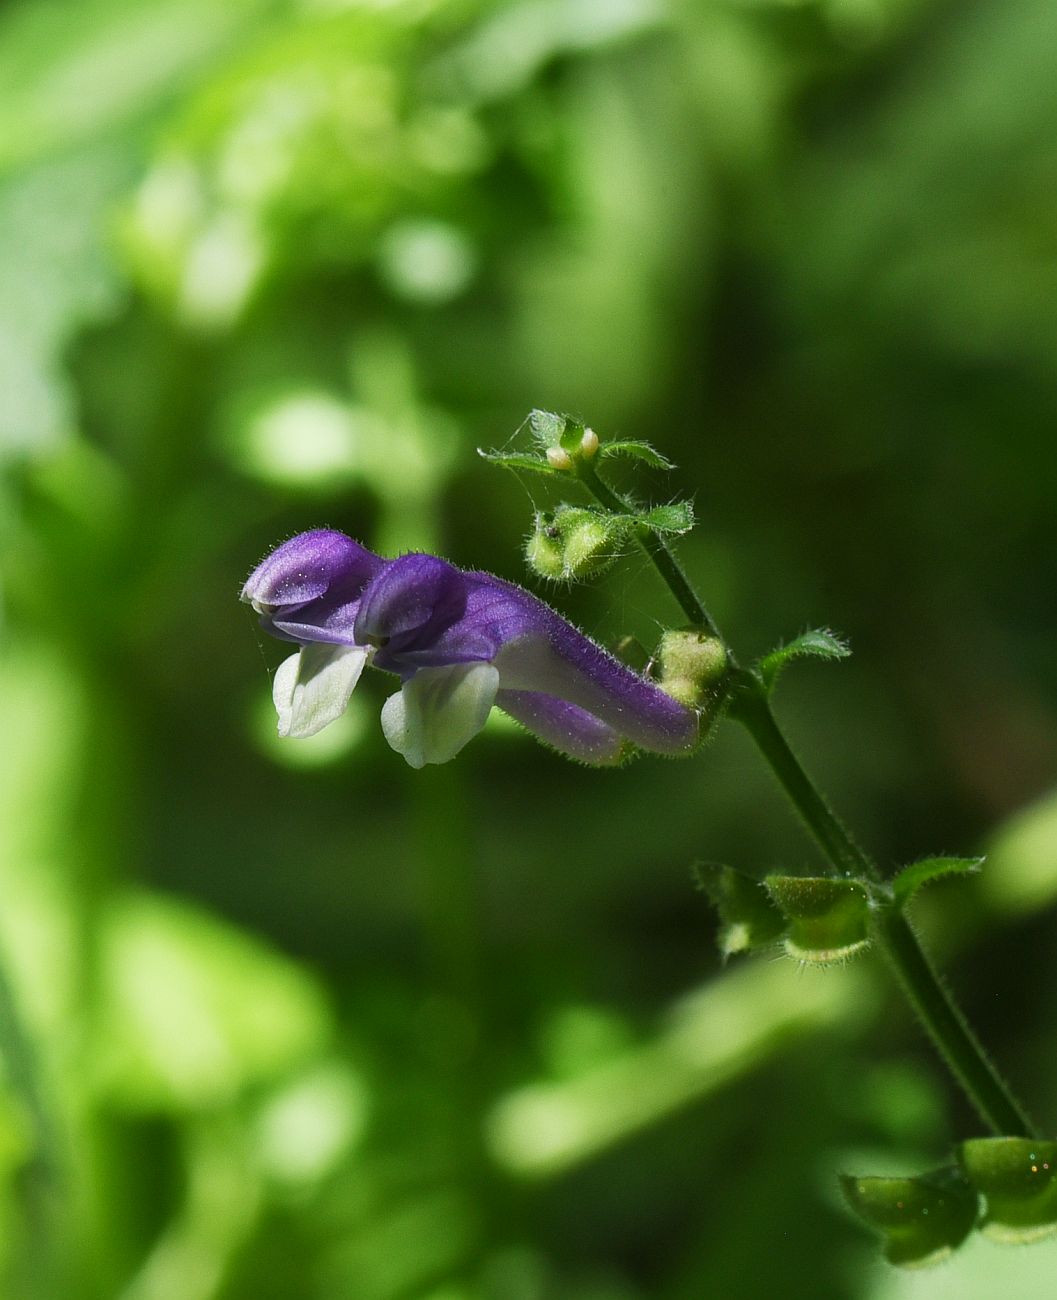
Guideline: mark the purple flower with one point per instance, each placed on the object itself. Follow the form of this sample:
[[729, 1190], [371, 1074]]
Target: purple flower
[[460, 643]]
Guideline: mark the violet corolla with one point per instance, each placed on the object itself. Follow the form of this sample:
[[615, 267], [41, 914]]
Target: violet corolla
[[460, 642]]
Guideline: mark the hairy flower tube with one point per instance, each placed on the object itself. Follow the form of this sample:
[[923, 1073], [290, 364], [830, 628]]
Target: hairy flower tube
[[460, 642]]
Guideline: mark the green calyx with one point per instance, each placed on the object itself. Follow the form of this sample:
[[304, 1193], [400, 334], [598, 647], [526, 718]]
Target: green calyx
[[922, 1220], [692, 666], [1018, 1178], [828, 916], [574, 542]]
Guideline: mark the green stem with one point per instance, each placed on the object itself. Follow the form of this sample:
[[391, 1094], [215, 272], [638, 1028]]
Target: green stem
[[655, 547], [949, 1029], [939, 1014], [936, 1009], [750, 706]]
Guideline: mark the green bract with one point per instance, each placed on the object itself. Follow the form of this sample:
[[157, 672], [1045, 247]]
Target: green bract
[[748, 918], [827, 916], [921, 1219], [1016, 1177]]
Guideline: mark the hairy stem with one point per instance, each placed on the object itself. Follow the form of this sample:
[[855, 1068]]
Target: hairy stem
[[655, 547], [943, 1021], [936, 1009]]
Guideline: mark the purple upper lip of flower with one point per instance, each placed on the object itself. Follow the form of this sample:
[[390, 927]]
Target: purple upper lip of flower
[[459, 641]]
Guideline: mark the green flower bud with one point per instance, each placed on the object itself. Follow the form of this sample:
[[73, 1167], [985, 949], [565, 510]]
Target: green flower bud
[[692, 666], [589, 540], [1017, 1178], [827, 916], [574, 542], [921, 1219], [543, 550]]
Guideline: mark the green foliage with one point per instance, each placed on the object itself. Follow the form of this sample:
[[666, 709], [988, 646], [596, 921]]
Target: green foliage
[[819, 643], [1018, 1179], [269, 265], [828, 916], [748, 918], [910, 879], [635, 450], [921, 1219], [517, 460], [673, 520]]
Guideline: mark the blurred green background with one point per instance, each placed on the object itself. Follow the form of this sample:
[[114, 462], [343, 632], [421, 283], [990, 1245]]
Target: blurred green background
[[300, 1022]]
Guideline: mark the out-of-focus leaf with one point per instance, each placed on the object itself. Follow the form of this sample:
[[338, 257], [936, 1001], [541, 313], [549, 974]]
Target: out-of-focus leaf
[[197, 1011], [713, 1036], [70, 71], [1022, 876], [55, 277]]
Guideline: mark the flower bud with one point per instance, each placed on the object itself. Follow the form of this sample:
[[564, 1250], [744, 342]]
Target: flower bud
[[692, 665], [1017, 1178], [543, 550], [574, 543], [921, 1219], [589, 539], [827, 916]]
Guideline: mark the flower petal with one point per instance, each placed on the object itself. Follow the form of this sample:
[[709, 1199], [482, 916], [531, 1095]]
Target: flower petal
[[307, 567], [568, 666], [313, 687], [565, 727], [438, 710], [414, 598]]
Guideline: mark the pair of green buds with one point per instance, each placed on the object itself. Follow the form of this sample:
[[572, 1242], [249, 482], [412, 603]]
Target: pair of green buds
[[821, 920], [816, 919], [1004, 1186], [573, 543]]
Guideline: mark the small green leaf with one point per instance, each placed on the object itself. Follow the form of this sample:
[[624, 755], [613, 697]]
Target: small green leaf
[[554, 429], [637, 450], [748, 918], [921, 1219], [819, 643], [827, 916], [517, 460], [676, 518], [911, 878], [1018, 1177], [547, 427]]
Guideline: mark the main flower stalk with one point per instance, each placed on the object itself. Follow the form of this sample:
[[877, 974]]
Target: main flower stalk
[[937, 1011]]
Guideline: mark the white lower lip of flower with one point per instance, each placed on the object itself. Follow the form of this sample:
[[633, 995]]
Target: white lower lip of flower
[[313, 687], [439, 710]]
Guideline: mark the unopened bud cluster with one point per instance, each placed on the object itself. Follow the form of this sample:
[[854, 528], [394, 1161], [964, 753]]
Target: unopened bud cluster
[[574, 542]]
